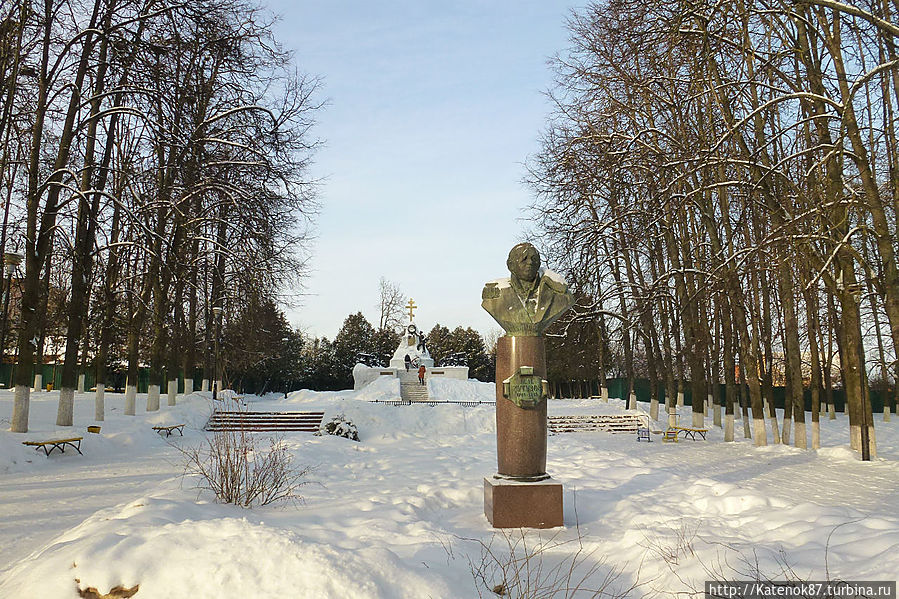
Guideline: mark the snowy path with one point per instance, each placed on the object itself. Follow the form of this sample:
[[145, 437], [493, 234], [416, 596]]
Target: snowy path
[[41, 497], [38, 506]]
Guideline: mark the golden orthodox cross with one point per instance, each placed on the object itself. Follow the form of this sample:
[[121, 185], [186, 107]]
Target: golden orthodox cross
[[411, 305]]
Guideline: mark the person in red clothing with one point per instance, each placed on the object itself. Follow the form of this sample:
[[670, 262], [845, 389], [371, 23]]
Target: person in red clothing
[[421, 374]]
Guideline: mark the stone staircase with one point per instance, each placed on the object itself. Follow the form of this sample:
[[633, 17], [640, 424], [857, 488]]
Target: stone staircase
[[259, 422], [411, 390]]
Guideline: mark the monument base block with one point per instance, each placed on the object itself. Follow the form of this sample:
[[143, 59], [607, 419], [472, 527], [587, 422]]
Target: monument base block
[[511, 504]]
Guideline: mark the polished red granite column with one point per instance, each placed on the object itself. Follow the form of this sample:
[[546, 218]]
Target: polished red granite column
[[520, 433]]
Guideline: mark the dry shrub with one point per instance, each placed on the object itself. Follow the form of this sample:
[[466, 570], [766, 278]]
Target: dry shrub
[[237, 470], [514, 564]]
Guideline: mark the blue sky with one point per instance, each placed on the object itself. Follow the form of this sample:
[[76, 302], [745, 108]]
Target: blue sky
[[433, 109]]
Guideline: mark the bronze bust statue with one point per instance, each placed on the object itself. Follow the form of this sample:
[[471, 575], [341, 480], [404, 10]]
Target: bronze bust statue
[[531, 299]]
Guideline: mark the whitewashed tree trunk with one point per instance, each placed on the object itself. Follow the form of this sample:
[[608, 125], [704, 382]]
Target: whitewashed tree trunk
[[632, 401], [81, 383], [728, 427], [38, 382], [775, 431], [886, 412], [153, 398], [800, 435], [218, 386], [785, 435], [130, 399], [855, 439], [21, 403], [759, 434], [832, 411], [716, 412], [188, 386], [680, 399], [872, 440], [698, 419], [816, 435], [654, 408], [672, 417], [100, 403], [64, 412], [172, 392], [605, 394], [204, 386]]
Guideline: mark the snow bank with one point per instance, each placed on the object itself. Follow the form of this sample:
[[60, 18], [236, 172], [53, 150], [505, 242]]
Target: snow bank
[[441, 389], [173, 548]]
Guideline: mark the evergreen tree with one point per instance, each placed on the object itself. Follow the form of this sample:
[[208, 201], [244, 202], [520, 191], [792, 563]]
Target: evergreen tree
[[383, 344], [260, 349], [356, 335], [469, 342], [318, 370], [439, 343]]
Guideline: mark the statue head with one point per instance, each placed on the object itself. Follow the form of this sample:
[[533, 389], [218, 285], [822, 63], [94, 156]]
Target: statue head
[[547, 296], [524, 262]]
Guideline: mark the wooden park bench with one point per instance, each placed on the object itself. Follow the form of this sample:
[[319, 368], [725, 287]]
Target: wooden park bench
[[672, 433], [169, 429], [612, 423], [60, 444]]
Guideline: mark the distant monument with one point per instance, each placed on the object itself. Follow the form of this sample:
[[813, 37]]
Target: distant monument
[[414, 345], [521, 494]]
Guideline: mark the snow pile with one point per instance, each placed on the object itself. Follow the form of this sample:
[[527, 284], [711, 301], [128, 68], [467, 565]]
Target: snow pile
[[445, 389], [176, 549]]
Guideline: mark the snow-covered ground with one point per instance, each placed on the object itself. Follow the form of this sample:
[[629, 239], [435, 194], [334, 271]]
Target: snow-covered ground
[[400, 514]]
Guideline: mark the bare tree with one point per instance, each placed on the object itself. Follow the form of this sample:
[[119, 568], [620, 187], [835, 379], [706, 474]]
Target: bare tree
[[390, 305]]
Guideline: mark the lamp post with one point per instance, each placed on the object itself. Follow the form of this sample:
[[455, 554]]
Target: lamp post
[[10, 262], [217, 316]]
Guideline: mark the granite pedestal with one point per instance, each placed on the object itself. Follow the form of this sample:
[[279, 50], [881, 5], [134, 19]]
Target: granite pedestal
[[512, 504]]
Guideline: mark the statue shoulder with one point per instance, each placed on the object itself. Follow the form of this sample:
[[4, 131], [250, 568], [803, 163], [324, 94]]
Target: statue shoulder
[[554, 284], [493, 289]]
